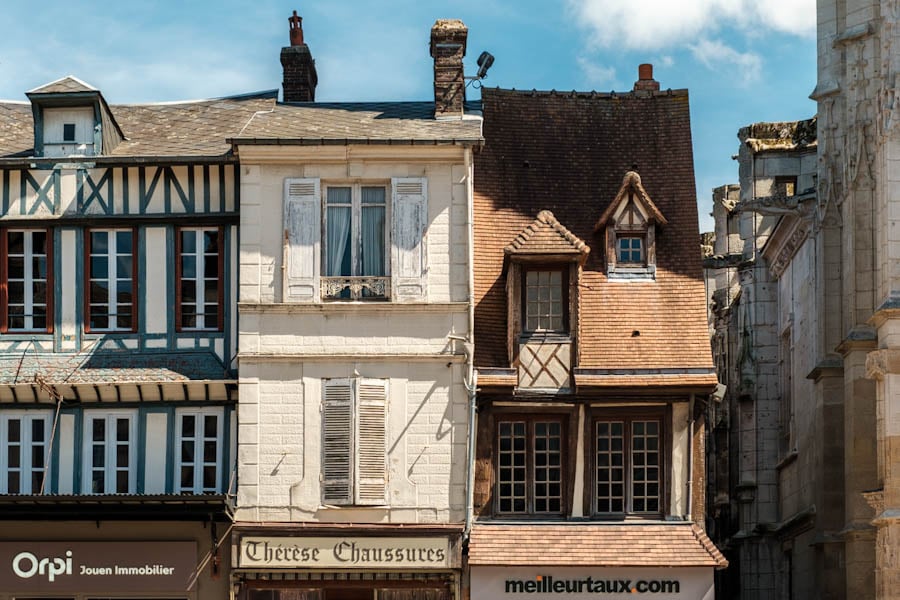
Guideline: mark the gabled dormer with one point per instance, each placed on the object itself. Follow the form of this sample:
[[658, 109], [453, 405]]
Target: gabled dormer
[[72, 119], [544, 267], [630, 224]]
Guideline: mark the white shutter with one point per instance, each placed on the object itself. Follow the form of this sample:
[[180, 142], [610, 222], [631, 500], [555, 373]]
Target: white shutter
[[302, 233], [370, 456], [409, 207], [337, 426]]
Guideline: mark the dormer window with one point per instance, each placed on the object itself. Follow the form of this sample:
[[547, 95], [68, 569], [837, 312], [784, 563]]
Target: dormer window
[[544, 266], [68, 132], [629, 224]]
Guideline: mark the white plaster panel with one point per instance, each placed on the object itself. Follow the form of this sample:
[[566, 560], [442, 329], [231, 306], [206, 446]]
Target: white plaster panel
[[155, 454], [680, 454], [66, 441], [68, 284], [156, 302], [68, 185]]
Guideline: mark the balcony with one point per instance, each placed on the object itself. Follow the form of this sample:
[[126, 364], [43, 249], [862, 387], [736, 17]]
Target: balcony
[[355, 288]]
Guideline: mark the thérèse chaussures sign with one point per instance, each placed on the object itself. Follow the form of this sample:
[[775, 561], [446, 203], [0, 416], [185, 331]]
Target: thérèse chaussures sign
[[97, 566], [345, 552]]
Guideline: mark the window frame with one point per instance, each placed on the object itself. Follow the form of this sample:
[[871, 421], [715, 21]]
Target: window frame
[[628, 417], [109, 467], [4, 281], [25, 453], [198, 463], [87, 280], [530, 418], [563, 270], [220, 289], [356, 210]]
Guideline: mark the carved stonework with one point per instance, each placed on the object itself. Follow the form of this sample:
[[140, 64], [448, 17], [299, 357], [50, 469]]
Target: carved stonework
[[788, 250], [882, 362]]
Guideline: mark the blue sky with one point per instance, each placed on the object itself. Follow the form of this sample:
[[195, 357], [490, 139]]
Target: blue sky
[[742, 60]]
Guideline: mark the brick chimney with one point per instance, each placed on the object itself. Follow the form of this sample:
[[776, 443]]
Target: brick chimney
[[448, 47], [300, 77], [645, 79]]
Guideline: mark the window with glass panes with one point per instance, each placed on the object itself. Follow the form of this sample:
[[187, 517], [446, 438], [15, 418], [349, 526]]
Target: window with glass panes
[[200, 282], [111, 279], [627, 465], [199, 451], [544, 301], [529, 466], [355, 232], [28, 281], [109, 450], [631, 249], [24, 438]]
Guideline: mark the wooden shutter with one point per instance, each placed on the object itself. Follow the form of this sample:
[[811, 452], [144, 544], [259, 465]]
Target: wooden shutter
[[409, 208], [370, 456], [302, 233], [337, 439]]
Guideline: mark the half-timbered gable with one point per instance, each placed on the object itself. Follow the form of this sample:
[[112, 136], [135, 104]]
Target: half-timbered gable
[[590, 337]]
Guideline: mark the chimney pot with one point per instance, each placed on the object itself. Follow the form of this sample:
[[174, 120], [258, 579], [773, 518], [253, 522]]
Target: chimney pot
[[300, 76], [645, 79], [296, 25]]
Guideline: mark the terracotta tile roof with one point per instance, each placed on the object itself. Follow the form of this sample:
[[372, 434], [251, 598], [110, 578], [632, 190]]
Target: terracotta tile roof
[[567, 153], [594, 544], [546, 235], [319, 122], [193, 128]]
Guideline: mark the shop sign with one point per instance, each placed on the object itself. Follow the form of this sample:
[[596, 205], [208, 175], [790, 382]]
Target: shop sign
[[533, 583], [91, 567], [345, 552]]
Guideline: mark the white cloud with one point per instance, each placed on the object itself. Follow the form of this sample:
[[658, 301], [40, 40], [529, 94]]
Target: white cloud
[[716, 55], [597, 76], [655, 24]]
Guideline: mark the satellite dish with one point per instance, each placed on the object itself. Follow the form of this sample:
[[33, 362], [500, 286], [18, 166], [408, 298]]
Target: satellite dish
[[484, 62]]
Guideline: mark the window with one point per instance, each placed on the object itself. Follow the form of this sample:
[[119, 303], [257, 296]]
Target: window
[[198, 434], [353, 441], [355, 240], [530, 466], [199, 270], [111, 279], [109, 451], [545, 301], [68, 132], [785, 185], [28, 281], [24, 438], [628, 475], [355, 260], [631, 250]]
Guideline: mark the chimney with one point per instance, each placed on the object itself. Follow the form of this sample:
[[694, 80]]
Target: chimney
[[645, 79], [300, 77], [448, 47]]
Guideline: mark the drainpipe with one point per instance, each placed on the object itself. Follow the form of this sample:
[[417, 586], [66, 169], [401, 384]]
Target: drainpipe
[[471, 382]]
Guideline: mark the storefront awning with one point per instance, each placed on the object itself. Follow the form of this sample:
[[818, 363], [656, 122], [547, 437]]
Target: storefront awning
[[115, 507], [593, 544]]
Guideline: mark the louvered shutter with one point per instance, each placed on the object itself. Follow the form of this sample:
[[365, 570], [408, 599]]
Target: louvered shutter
[[410, 220], [302, 233], [370, 456], [337, 441]]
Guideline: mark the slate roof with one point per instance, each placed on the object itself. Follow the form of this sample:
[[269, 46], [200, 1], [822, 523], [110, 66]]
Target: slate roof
[[173, 129], [360, 122], [546, 235], [595, 544], [110, 367], [568, 153]]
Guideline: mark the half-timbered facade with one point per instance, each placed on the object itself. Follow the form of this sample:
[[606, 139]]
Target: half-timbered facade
[[355, 329], [118, 279], [592, 356]]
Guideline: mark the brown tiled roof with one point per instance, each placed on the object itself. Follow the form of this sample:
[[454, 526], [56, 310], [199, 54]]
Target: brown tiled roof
[[324, 122], [594, 544], [194, 128], [567, 153], [66, 85], [546, 235]]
